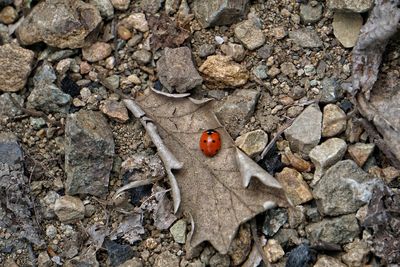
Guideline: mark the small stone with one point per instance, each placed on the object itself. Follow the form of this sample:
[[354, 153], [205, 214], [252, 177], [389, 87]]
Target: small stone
[[178, 231], [222, 71], [90, 210], [171, 6], [287, 237], [279, 32], [356, 253], [359, 6], [249, 34], [96, 52], [346, 27], [324, 261], [44, 260], [260, 71], [360, 152], [85, 67], [124, 33], [15, 67], [47, 204], [150, 243], [219, 40], [51, 231], [305, 132], [310, 13], [338, 230], [273, 72], [327, 154], [334, 121], [142, 56], [10, 150], [7, 107], [151, 6], [219, 260], [206, 49], [69, 209], [241, 245], [343, 189], [236, 51], [306, 38], [136, 21], [288, 69], [134, 262], [274, 220], [252, 143], [166, 259], [115, 110], [121, 4], [331, 91], [309, 70], [296, 216], [295, 187], [273, 251], [264, 52], [117, 253], [176, 70], [8, 15], [105, 7], [297, 162]]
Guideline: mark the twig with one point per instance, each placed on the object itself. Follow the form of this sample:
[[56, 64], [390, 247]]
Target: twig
[[273, 141], [134, 184]]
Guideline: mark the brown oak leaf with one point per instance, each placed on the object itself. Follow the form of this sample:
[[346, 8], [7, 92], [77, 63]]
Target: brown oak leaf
[[217, 192]]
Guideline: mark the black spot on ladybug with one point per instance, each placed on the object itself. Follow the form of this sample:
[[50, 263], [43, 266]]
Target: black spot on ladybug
[[205, 141], [213, 141], [69, 86]]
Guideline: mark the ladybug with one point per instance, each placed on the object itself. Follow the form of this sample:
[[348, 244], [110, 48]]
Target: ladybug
[[210, 142]]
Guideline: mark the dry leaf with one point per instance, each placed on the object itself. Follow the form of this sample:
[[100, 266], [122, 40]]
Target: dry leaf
[[212, 190]]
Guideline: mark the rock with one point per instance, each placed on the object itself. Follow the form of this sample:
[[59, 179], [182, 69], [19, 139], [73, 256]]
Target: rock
[[297, 162], [356, 253], [273, 251], [236, 51], [309, 70], [279, 32], [296, 216], [251, 36], [306, 38], [324, 261], [105, 8], [136, 21], [331, 91], [124, 33], [273, 72], [274, 220], [15, 67], [89, 151], [288, 69], [10, 150], [69, 209], [134, 262], [327, 154], [334, 121], [206, 49], [219, 260], [96, 52], [121, 4], [305, 132], [142, 56], [346, 28], [176, 70], [343, 189], [111, 82], [178, 231], [221, 71], [219, 12], [237, 109], [295, 187], [44, 260], [360, 152], [115, 110], [310, 12], [59, 23], [166, 259], [7, 107], [117, 253], [8, 15], [338, 230], [359, 6], [151, 6], [47, 204], [260, 71], [241, 245], [37, 123], [252, 143]]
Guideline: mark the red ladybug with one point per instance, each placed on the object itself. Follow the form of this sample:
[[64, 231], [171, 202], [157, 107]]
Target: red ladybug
[[210, 143]]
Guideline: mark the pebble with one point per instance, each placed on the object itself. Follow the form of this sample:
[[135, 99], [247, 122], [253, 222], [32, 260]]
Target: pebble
[[142, 56], [241, 245], [7, 108], [136, 21], [331, 90], [166, 259], [310, 12], [360, 152], [96, 52], [324, 261], [273, 251], [8, 15], [309, 70], [219, 40], [273, 72], [115, 110], [117, 253], [222, 71], [279, 33], [296, 188], [121, 4], [47, 203], [105, 7], [43, 260], [178, 231], [274, 220], [356, 253], [305, 132], [249, 34], [288, 69], [69, 209], [306, 38], [124, 33], [219, 260], [260, 71], [334, 121], [51, 231], [297, 162], [236, 51], [252, 143], [327, 154], [206, 49], [359, 6], [346, 27], [265, 51]]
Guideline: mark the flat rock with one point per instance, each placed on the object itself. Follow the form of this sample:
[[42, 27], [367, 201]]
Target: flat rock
[[296, 188], [324, 261], [96, 52], [59, 23], [327, 154], [176, 70], [252, 143], [219, 12], [178, 231], [7, 107], [305, 132], [69, 209], [166, 259], [115, 110], [310, 12], [346, 27], [251, 36], [10, 150], [221, 71], [237, 109], [338, 230], [306, 38], [359, 6], [343, 189], [15, 67], [89, 151], [360, 152]]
